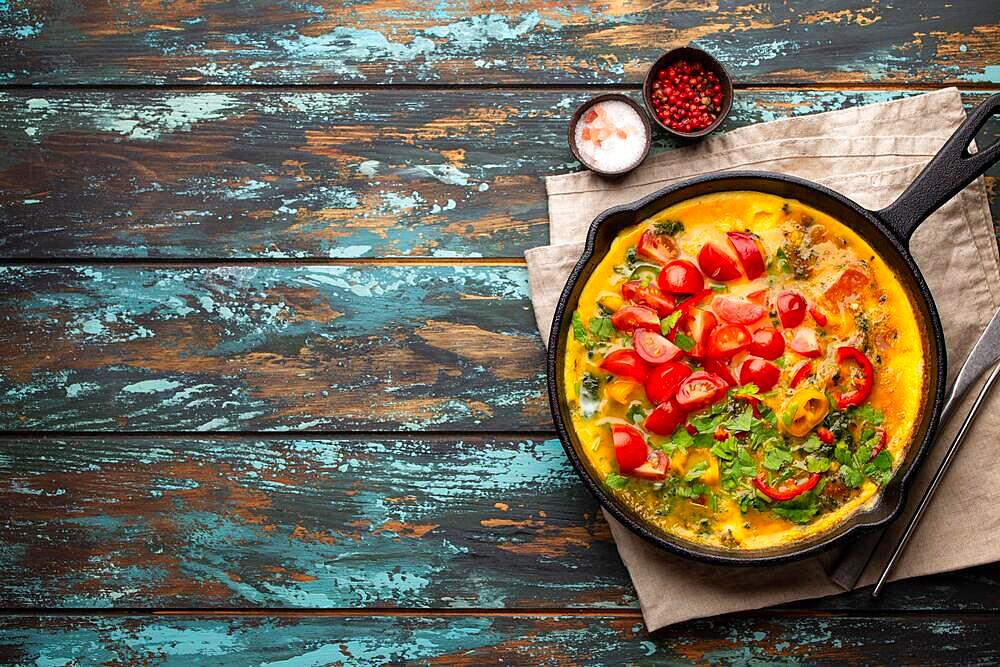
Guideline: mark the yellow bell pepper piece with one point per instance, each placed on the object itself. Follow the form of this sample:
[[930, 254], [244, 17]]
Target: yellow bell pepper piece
[[620, 390], [808, 407]]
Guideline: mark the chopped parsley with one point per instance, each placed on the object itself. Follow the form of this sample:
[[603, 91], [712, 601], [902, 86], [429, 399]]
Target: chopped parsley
[[668, 323], [615, 481], [684, 342], [669, 227]]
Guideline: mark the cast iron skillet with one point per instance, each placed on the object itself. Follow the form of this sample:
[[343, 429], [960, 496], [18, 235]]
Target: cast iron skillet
[[888, 231]]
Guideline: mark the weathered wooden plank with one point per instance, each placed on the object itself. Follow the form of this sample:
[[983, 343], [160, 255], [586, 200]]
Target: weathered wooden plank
[[440, 522], [302, 174], [526, 41], [471, 522], [516, 640], [126, 348]]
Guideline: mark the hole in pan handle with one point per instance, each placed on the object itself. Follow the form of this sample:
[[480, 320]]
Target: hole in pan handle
[[953, 168]]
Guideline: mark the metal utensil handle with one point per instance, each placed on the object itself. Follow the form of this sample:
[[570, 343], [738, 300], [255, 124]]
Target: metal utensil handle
[[911, 525], [984, 354]]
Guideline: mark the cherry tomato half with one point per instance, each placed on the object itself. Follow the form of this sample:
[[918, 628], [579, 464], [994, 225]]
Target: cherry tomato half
[[736, 311], [654, 348], [697, 324], [680, 277], [658, 247], [662, 383], [630, 318], [728, 341], [719, 367], [650, 296], [805, 343], [717, 264], [749, 253], [700, 389], [655, 468], [630, 447], [791, 308], [767, 343], [762, 373], [626, 363], [665, 418]]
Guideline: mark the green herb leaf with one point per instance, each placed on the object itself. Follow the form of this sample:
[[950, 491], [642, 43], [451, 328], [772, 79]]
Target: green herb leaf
[[796, 514], [615, 481], [683, 342], [789, 414], [696, 471], [817, 464], [780, 362], [601, 327], [669, 227], [852, 477], [718, 287], [668, 323], [742, 422], [812, 443], [775, 457], [635, 413], [866, 414], [842, 453], [579, 333]]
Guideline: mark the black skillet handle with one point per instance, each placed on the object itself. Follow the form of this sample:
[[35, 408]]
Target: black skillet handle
[[948, 172]]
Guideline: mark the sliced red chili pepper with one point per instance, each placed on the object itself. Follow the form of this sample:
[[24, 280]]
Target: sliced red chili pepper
[[785, 492], [862, 382], [721, 433], [691, 429], [826, 436], [819, 316], [804, 371], [882, 442]]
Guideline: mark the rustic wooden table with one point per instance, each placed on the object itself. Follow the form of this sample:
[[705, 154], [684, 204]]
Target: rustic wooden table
[[270, 382]]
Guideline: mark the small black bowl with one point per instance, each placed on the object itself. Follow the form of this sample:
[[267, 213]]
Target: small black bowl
[[578, 114], [690, 54]]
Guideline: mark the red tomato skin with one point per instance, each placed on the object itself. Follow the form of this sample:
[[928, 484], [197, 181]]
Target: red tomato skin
[[716, 264], [630, 289], [626, 363], [805, 343], [791, 308], [818, 315], [719, 368], [700, 389], [630, 447], [735, 311], [657, 247], [762, 373], [630, 318], [654, 348], [767, 343], [661, 385], [749, 253], [655, 468], [728, 341], [665, 418], [650, 296], [698, 324], [680, 277]]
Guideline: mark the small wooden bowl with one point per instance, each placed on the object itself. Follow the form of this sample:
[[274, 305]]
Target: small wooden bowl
[[578, 114], [690, 54]]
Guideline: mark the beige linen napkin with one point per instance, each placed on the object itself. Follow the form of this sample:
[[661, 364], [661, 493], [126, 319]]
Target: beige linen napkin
[[870, 154]]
